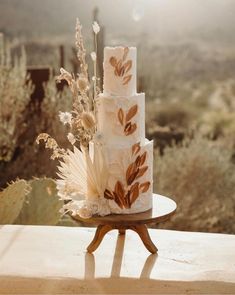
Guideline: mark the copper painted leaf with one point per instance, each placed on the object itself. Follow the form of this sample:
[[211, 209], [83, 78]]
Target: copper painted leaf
[[134, 192], [130, 170], [126, 79], [127, 128], [132, 112], [119, 190], [142, 171], [143, 158], [135, 148], [121, 116], [126, 50], [137, 161], [113, 61], [131, 130], [127, 66], [108, 194], [119, 67], [122, 71], [128, 199], [144, 186], [118, 201]]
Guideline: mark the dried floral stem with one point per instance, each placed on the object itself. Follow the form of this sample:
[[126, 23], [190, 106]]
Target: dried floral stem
[[81, 52]]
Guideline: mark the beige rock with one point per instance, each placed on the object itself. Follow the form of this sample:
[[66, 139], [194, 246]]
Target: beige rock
[[53, 260]]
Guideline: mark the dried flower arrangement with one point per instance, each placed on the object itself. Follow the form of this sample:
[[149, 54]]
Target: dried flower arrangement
[[125, 119], [82, 119], [121, 68], [80, 174], [135, 170]]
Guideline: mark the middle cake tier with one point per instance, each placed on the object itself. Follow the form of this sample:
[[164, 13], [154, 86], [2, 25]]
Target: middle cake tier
[[121, 119]]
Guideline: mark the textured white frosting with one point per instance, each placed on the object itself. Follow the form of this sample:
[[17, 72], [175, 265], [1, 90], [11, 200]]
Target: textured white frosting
[[114, 83], [118, 159], [109, 127]]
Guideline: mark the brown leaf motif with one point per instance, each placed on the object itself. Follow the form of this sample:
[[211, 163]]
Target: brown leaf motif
[[126, 79], [134, 192], [126, 196], [108, 194], [121, 116], [144, 186], [135, 148], [121, 68], [131, 112]]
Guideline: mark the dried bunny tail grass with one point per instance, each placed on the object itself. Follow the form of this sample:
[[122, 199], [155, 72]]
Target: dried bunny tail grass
[[88, 120]]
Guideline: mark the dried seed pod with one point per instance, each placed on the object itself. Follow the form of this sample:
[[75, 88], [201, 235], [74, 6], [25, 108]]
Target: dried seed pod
[[88, 120]]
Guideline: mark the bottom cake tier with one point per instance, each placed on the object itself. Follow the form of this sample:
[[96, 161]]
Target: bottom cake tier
[[129, 186]]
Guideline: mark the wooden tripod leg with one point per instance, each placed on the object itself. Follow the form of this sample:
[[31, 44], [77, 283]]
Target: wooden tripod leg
[[142, 231], [101, 230]]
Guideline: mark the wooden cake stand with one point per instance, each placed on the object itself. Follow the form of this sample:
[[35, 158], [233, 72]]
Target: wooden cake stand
[[163, 209]]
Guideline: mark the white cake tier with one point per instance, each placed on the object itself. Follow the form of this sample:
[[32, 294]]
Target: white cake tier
[[119, 71], [121, 120], [130, 180]]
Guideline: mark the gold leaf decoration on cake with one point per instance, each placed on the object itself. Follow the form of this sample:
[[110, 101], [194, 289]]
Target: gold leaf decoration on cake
[[125, 196], [121, 116], [135, 148], [131, 112], [121, 68], [144, 186]]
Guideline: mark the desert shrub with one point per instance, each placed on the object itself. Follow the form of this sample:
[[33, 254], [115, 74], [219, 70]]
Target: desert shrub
[[173, 114], [32, 159], [15, 92], [217, 123], [200, 176]]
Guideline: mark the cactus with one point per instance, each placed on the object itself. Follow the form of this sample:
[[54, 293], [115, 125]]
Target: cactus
[[42, 204], [11, 200]]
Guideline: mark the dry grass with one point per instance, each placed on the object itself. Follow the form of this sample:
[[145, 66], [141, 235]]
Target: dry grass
[[200, 176]]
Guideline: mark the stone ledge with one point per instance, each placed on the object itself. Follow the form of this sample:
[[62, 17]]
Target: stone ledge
[[53, 260]]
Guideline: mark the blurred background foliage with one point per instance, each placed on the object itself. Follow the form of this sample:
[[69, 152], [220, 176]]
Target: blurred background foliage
[[186, 67]]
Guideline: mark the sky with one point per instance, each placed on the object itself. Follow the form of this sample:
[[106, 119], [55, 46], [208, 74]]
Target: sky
[[160, 19]]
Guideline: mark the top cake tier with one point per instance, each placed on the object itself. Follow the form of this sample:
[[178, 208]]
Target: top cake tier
[[120, 71]]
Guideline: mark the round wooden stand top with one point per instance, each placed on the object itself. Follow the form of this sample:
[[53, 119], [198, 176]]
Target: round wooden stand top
[[163, 208]]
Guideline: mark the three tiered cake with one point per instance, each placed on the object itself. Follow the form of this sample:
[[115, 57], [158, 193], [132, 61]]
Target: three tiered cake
[[121, 128]]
